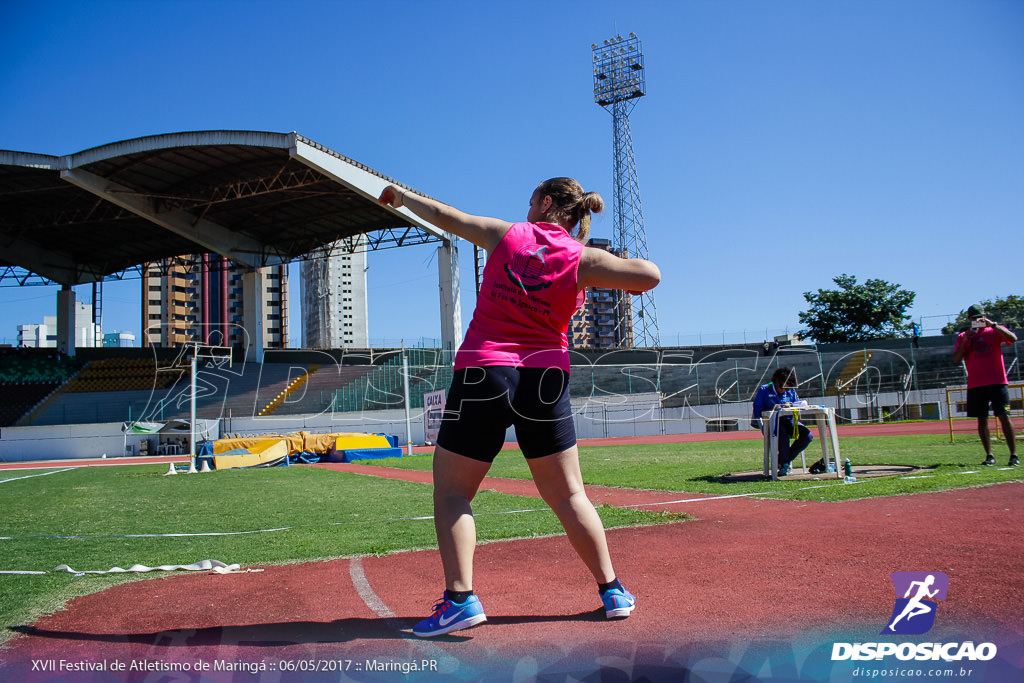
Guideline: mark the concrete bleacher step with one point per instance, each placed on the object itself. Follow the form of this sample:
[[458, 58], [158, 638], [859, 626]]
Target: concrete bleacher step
[[853, 368], [15, 405], [320, 386], [289, 390], [231, 392], [47, 401]]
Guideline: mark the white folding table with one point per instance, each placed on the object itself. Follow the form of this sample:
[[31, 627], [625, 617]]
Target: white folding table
[[824, 420]]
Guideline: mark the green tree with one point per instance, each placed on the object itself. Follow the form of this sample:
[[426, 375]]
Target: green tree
[[1008, 311], [854, 313]]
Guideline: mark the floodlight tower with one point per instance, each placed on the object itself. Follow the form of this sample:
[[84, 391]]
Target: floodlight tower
[[618, 83]]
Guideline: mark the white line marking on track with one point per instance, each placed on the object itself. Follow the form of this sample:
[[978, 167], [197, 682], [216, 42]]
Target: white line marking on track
[[362, 585], [697, 500], [446, 663]]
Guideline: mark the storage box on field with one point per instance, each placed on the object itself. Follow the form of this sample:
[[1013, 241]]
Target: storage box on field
[[721, 424], [930, 411], [868, 413], [861, 414], [894, 413]]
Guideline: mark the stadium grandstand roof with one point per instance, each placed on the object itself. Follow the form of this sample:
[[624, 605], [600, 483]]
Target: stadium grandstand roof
[[257, 198]]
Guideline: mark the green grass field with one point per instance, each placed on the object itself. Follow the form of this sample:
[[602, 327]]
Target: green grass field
[[318, 514], [699, 467]]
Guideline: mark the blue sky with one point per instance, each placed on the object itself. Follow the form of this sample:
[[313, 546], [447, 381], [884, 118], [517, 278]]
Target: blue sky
[[781, 142]]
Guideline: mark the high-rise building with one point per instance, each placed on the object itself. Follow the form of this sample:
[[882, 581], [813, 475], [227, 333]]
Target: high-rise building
[[200, 298], [605, 319], [45, 335], [334, 305]]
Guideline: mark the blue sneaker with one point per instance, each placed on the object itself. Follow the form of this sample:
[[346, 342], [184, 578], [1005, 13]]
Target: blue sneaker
[[451, 616], [618, 602], [784, 470]]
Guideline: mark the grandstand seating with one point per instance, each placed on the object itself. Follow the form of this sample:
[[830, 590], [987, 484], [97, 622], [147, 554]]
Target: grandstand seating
[[317, 394], [123, 374], [292, 387], [15, 401], [241, 390], [346, 388], [83, 407], [114, 388], [28, 366], [28, 376]]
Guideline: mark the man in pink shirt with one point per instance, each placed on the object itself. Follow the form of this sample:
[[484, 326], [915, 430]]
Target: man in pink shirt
[[980, 349]]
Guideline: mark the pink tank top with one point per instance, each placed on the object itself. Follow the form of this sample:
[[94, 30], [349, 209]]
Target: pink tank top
[[527, 297], [985, 364]]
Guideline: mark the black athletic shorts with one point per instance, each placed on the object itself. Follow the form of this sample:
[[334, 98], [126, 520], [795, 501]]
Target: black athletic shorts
[[979, 398], [483, 402]]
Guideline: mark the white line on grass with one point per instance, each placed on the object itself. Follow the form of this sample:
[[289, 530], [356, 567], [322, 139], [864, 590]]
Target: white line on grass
[[29, 476], [182, 535]]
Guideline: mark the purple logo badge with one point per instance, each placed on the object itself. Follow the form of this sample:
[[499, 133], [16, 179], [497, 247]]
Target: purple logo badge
[[917, 594]]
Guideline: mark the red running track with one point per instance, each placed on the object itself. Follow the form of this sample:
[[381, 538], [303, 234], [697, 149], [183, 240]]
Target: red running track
[[751, 585]]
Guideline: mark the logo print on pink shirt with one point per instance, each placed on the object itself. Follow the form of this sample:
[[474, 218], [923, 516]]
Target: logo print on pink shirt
[[529, 269]]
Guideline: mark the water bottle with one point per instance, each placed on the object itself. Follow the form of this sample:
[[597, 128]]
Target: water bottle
[[848, 472]]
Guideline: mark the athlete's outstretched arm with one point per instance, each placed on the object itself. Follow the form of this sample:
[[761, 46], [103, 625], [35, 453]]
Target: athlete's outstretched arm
[[480, 230]]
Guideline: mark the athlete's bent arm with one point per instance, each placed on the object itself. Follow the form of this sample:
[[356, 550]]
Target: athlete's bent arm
[[480, 230], [599, 268]]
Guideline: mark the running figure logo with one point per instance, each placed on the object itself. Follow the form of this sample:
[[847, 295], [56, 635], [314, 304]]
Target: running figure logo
[[914, 612]]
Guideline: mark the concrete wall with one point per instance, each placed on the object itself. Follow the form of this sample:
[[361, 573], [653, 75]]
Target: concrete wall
[[70, 442]]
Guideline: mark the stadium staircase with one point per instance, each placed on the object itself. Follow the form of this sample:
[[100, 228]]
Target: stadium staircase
[[320, 387], [289, 390], [852, 370], [238, 391]]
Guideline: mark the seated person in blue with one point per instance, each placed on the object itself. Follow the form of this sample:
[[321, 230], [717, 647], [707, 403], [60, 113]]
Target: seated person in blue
[[782, 391]]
